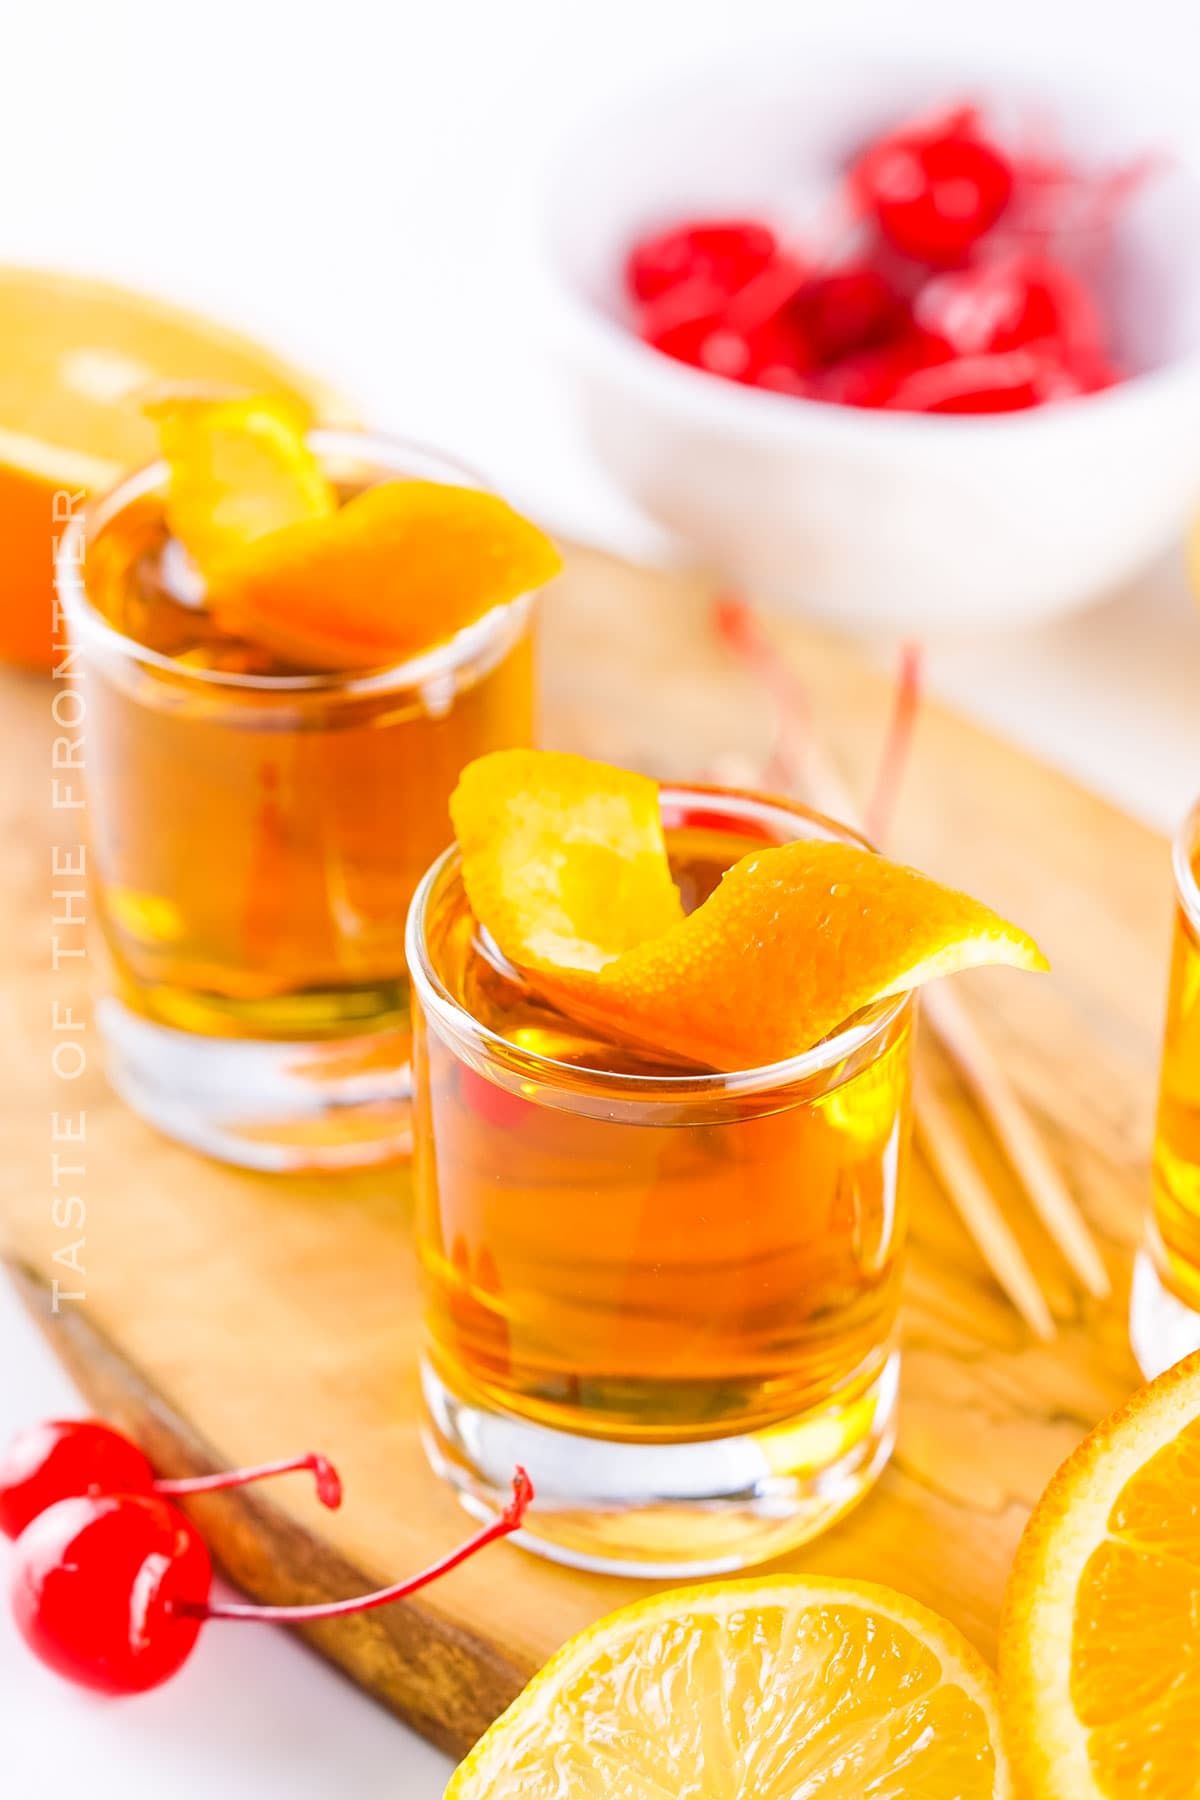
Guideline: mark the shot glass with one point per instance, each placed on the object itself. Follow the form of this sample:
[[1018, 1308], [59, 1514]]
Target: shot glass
[[254, 838], [670, 1293], [1165, 1305]]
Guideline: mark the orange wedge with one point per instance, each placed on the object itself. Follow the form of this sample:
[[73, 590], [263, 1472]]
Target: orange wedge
[[399, 568], [240, 468], [77, 360], [1100, 1644], [565, 865], [782, 1688]]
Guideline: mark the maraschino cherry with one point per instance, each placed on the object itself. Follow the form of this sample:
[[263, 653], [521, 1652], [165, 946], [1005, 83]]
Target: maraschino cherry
[[61, 1458], [934, 189], [949, 276], [1009, 302], [111, 1590], [722, 254]]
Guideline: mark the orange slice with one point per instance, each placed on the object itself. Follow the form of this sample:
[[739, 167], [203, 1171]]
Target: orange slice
[[239, 468], [77, 360], [1100, 1644], [781, 1687], [575, 889], [399, 568]]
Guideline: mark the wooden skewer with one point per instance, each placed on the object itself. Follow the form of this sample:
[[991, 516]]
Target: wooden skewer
[[800, 754], [976, 1062], [938, 1134], [936, 1128]]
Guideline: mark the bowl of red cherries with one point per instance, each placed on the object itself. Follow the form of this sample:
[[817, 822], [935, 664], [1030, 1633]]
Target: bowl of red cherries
[[908, 350]]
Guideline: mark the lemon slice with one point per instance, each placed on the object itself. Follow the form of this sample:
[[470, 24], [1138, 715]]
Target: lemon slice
[[787, 1688]]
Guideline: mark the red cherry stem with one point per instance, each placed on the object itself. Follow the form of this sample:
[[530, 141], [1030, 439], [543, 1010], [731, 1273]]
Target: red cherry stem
[[795, 762], [830, 240], [893, 759], [510, 1520], [767, 294], [1049, 185], [740, 629], [329, 1482]]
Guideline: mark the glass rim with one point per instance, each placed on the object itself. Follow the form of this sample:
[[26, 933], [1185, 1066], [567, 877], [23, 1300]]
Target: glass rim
[[1183, 852], [850, 1041], [414, 672]]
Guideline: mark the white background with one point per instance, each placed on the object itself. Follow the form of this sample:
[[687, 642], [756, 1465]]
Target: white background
[[340, 179]]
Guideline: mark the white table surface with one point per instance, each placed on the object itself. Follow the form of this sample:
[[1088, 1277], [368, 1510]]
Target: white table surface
[[337, 179]]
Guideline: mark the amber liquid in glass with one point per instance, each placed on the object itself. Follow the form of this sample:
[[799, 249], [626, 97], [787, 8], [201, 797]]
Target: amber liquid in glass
[[1175, 1238], [255, 849], [658, 1282]]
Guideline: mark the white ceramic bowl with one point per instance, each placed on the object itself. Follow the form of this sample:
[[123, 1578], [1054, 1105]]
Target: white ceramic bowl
[[878, 520]]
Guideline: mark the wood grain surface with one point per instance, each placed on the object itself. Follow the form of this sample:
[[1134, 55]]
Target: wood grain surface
[[230, 1318]]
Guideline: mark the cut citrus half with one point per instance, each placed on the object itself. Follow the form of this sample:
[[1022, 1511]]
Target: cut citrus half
[[1100, 1645], [239, 468], [779, 1689], [77, 360], [397, 569], [794, 941]]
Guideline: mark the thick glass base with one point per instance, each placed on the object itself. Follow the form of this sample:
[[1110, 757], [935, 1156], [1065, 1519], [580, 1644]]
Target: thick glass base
[[338, 1104], [1162, 1330], [667, 1510]]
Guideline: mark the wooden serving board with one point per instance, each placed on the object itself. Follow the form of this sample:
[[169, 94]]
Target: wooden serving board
[[229, 1318]]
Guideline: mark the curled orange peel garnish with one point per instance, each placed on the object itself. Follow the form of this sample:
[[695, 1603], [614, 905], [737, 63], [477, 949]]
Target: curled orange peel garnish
[[565, 864], [399, 568], [396, 569], [565, 859], [239, 468]]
